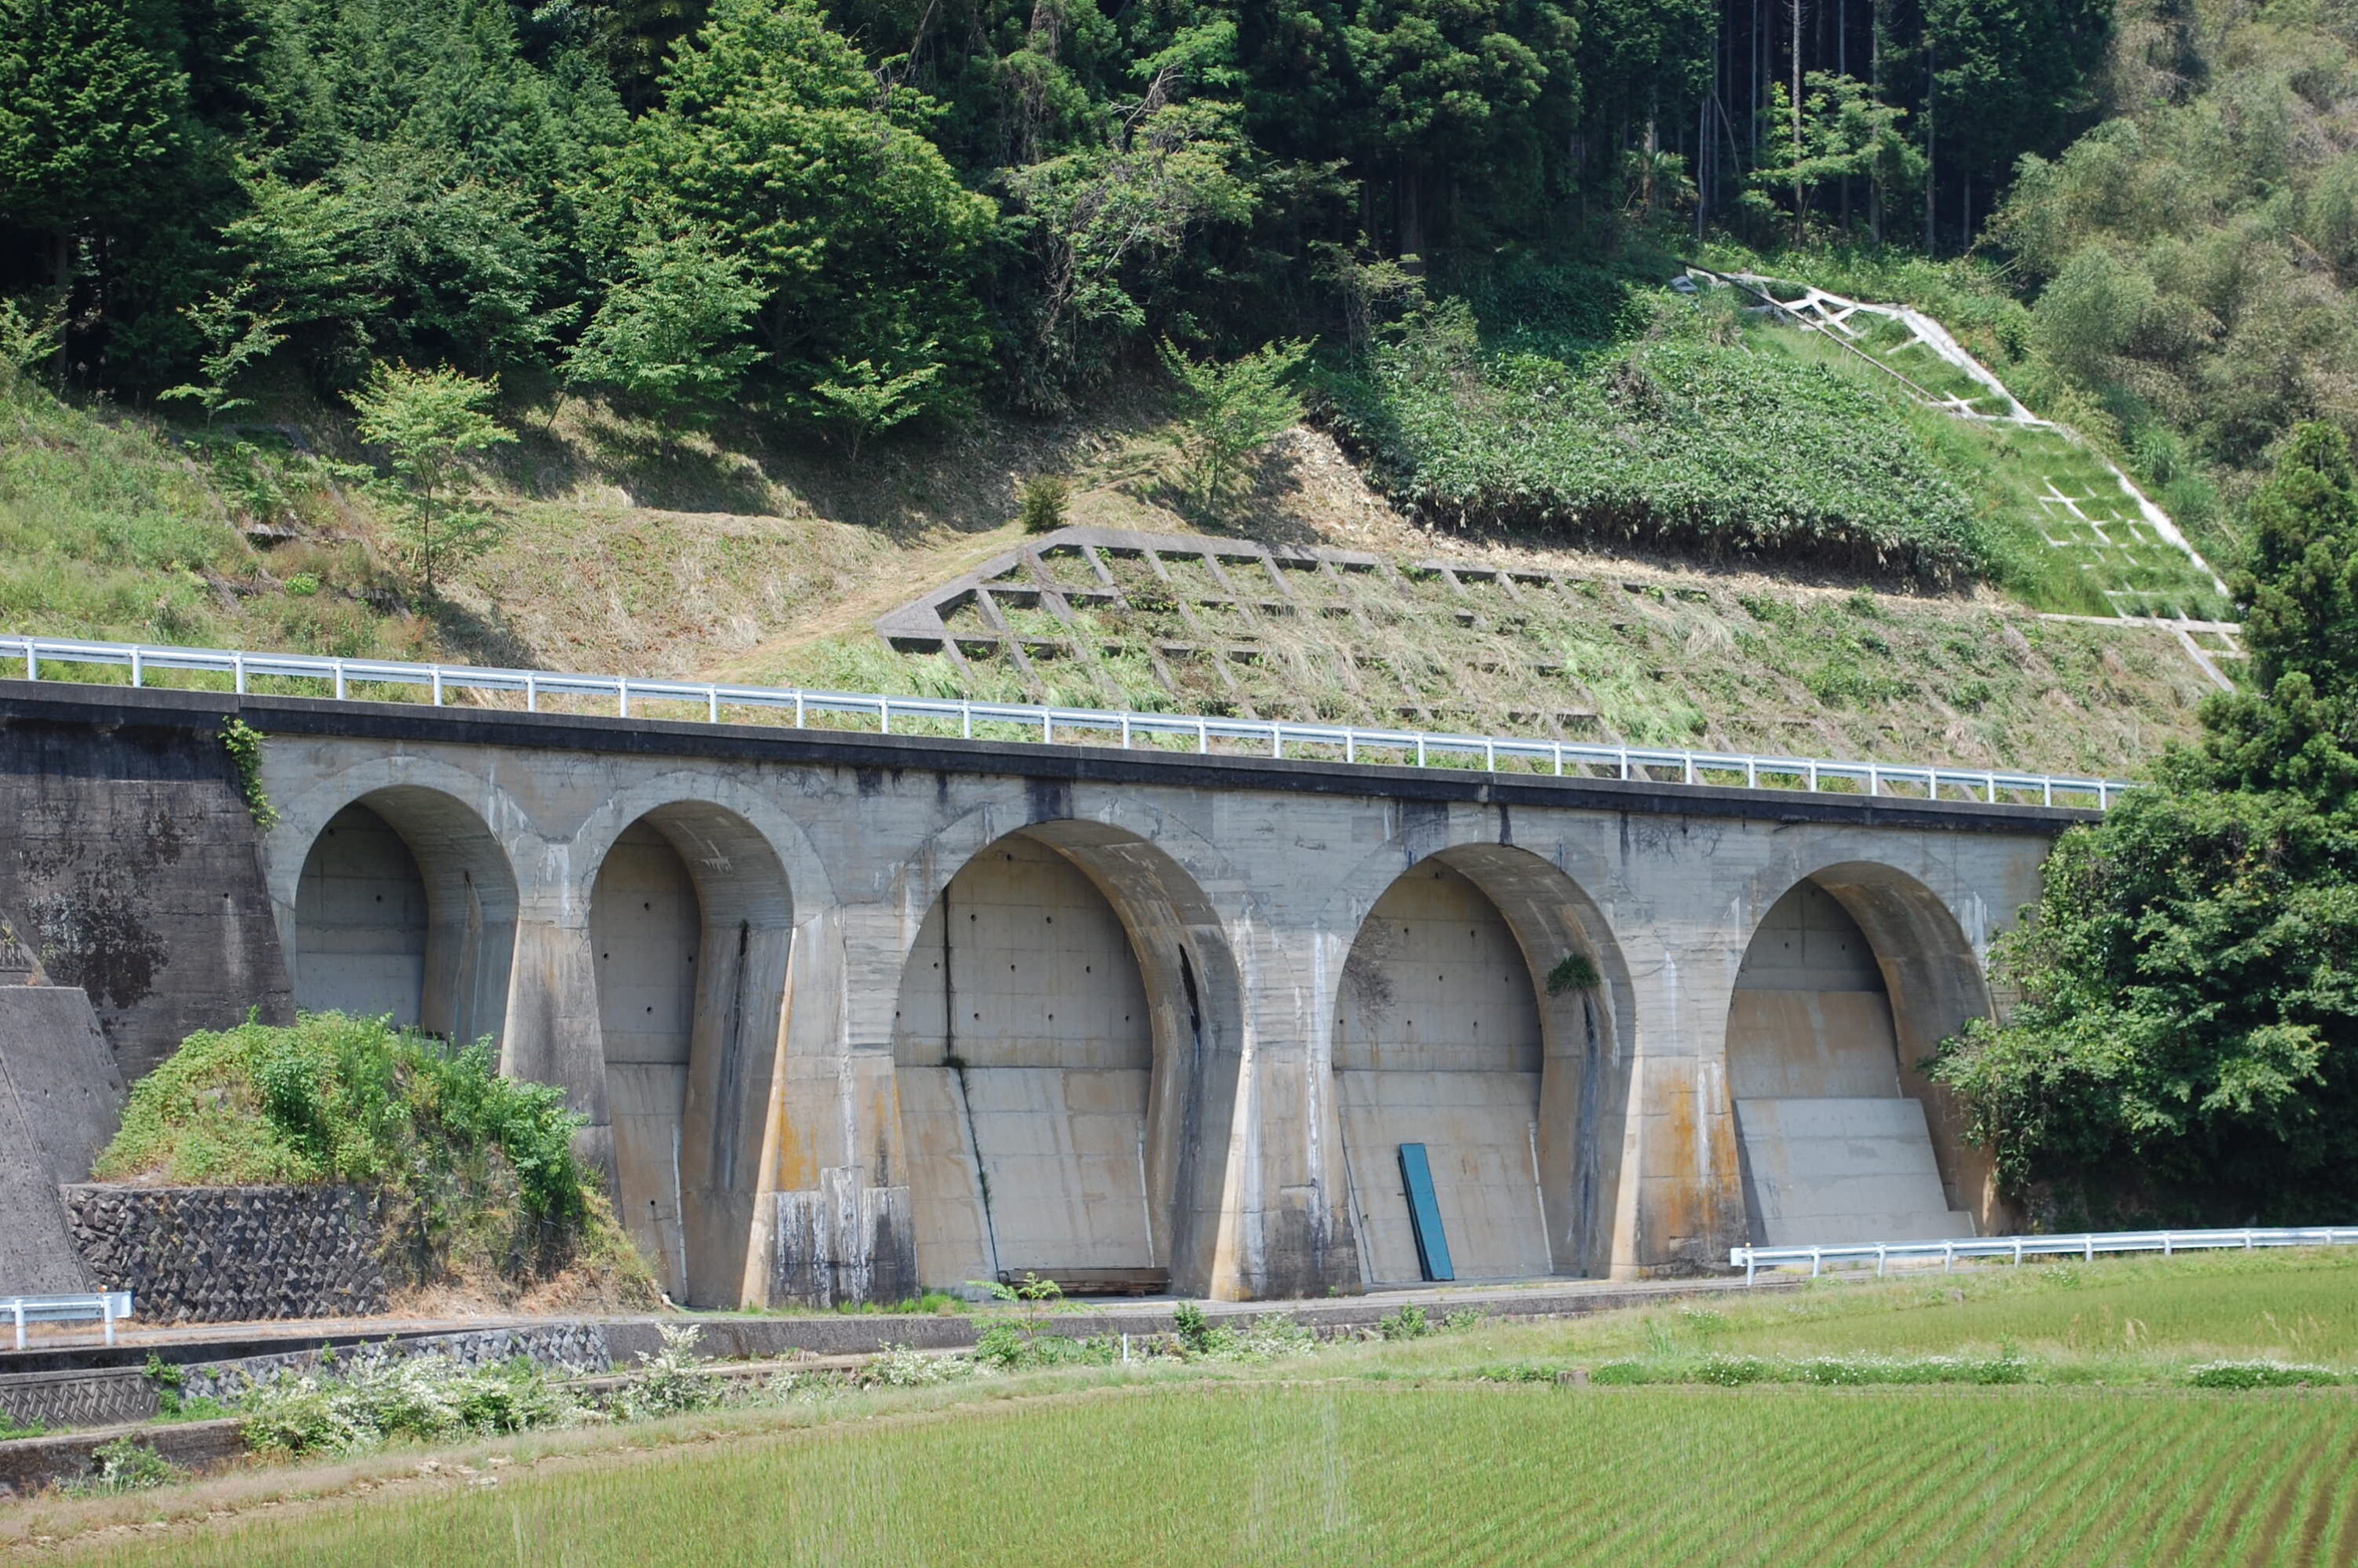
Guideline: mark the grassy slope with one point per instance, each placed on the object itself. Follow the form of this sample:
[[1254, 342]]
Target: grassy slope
[[1402, 1452], [635, 550]]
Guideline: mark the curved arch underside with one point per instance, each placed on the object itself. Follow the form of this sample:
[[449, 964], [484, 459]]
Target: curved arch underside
[[1834, 1136], [406, 905]]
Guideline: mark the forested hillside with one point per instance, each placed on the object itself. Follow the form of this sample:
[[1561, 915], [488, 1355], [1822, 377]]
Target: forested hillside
[[855, 214]]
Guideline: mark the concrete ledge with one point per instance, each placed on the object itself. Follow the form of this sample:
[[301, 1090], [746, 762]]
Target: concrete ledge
[[58, 702], [29, 1464]]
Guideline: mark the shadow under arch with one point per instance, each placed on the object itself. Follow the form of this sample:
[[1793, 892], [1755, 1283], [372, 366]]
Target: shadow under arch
[[1103, 1133], [691, 920], [1932, 982], [406, 904], [1537, 1149]]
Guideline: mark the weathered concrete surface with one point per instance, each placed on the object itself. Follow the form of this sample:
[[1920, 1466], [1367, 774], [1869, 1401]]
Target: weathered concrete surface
[[129, 865], [820, 1152], [59, 1094]]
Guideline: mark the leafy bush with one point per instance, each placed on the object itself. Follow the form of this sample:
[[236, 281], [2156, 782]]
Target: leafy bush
[[477, 1170], [427, 1398], [1407, 1323], [672, 1381], [126, 1465]]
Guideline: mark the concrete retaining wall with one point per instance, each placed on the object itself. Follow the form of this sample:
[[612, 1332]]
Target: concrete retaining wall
[[231, 1254], [59, 1095]]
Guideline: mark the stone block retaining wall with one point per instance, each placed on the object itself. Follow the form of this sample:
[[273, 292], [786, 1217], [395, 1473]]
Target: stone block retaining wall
[[231, 1254]]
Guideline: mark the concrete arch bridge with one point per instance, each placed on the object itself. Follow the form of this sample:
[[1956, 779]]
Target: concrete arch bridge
[[851, 1015]]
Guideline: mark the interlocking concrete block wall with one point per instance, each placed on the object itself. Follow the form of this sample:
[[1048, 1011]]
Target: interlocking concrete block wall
[[231, 1254]]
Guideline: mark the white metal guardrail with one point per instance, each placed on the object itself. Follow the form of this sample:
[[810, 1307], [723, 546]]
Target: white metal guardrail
[[1081, 726], [2085, 1245], [110, 1306]]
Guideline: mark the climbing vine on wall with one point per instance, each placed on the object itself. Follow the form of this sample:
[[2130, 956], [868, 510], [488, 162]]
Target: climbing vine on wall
[[243, 744]]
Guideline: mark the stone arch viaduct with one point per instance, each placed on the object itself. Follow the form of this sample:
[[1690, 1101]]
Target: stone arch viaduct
[[848, 1016]]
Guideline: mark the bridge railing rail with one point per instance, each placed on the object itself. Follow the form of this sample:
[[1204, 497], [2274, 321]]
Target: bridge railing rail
[[1080, 726], [2084, 1245]]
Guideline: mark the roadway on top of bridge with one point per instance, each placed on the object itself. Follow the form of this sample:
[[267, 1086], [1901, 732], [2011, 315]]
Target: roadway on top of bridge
[[1413, 764]]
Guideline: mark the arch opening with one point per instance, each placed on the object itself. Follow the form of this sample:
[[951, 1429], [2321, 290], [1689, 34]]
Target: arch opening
[[1061, 1011], [1841, 1140], [1447, 1034], [406, 907], [691, 930]]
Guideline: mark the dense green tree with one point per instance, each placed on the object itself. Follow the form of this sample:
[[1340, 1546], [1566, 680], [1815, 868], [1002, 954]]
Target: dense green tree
[[2186, 1039], [774, 139]]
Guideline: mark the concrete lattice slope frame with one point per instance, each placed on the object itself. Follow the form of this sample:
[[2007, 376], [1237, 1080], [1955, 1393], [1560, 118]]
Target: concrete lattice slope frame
[[1187, 979], [469, 915], [743, 923]]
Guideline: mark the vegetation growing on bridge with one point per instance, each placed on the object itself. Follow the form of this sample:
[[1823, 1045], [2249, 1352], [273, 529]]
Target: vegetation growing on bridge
[[476, 1172]]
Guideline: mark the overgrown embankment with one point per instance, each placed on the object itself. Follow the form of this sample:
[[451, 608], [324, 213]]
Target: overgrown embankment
[[479, 1184]]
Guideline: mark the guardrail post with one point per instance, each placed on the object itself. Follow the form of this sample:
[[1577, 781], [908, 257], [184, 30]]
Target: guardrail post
[[1277, 740], [712, 705], [1203, 739], [1874, 780], [2247, 1241], [438, 686], [1420, 750], [1350, 745], [1947, 1256], [237, 670], [1751, 773], [2165, 1243], [1690, 773], [2103, 797], [965, 719], [1991, 780], [1559, 758], [2017, 1252], [340, 683], [1047, 729], [1490, 756], [1751, 1265], [884, 716], [1813, 775], [32, 672], [1125, 731], [106, 1311], [1879, 1259], [1624, 763], [798, 710], [2089, 1253], [531, 691], [135, 667]]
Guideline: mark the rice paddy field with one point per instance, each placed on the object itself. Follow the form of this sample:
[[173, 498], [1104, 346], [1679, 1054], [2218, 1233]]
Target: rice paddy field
[[1502, 1443]]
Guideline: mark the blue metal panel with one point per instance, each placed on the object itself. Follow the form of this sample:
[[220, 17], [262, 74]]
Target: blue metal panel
[[1424, 1214]]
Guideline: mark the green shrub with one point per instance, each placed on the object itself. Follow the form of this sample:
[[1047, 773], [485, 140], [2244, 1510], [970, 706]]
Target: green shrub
[[477, 1171], [126, 1465], [1407, 1323], [427, 1399], [672, 1381]]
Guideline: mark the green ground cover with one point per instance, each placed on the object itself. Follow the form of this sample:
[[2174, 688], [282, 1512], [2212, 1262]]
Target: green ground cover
[[1358, 1474], [2106, 1436]]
